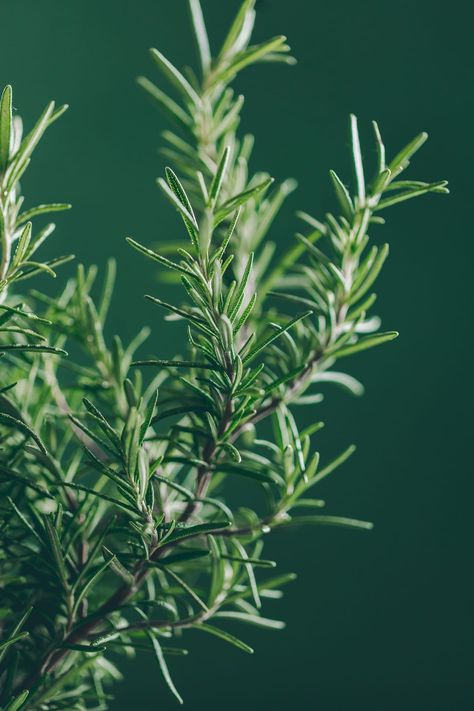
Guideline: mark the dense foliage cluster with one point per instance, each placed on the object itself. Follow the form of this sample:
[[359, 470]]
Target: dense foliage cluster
[[117, 530]]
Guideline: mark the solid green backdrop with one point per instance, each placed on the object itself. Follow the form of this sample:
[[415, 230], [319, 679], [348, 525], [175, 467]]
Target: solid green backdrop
[[378, 621]]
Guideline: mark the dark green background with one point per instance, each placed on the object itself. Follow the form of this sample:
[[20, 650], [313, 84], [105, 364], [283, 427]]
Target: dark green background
[[379, 621]]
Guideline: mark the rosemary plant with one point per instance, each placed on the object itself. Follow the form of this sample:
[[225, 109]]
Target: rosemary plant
[[18, 246], [118, 530]]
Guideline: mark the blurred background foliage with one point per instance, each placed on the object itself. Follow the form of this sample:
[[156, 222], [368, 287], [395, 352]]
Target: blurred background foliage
[[375, 621]]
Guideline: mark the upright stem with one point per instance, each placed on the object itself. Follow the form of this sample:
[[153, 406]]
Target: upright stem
[[5, 239]]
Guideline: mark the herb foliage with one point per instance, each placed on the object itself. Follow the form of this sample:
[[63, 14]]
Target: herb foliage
[[117, 532]]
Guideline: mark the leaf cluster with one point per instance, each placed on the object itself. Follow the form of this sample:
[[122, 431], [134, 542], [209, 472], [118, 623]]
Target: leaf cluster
[[119, 529]]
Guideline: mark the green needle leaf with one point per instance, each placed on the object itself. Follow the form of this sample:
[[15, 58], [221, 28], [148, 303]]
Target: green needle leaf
[[262, 346], [15, 638], [367, 342], [170, 108], [175, 77], [200, 34], [157, 257], [244, 16], [57, 551], [219, 177], [250, 619], [402, 159], [182, 584], [160, 363], [18, 701], [5, 125], [357, 156], [163, 666], [178, 203], [235, 202], [22, 427], [439, 187], [342, 195], [339, 521], [31, 348], [199, 529], [226, 636], [41, 210]]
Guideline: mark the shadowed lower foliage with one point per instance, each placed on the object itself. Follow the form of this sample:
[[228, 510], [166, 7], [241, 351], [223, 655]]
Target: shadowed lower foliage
[[124, 481]]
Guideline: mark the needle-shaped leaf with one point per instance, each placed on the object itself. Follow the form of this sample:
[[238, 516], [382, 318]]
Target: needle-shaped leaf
[[175, 77], [166, 105], [199, 529], [117, 567], [250, 619], [28, 145], [163, 666], [256, 562], [5, 125], [439, 187], [158, 258], [372, 275], [22, 427], [278, 332], [186, 555], [219, 176], [339, 521], [380, 147], [342, 195], [259, 474], [56, 550], [240, 199], [240, 291], [188, 364], [103, 423], [16, 635], [97, 494], [251, 575], [253, 54], [8, 473], [91, 582], [182, 584], [31, 348], [402, 158], [243, 16], [226, 636], [18, 701], [200, 34], [177, 194], [22, 246], [41, 210], [348, 382], [175, 309], [367, 342], [329, 468], [357, 158]]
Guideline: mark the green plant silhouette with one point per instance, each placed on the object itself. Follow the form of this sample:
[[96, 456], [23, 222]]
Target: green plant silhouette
[[117, 527]]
